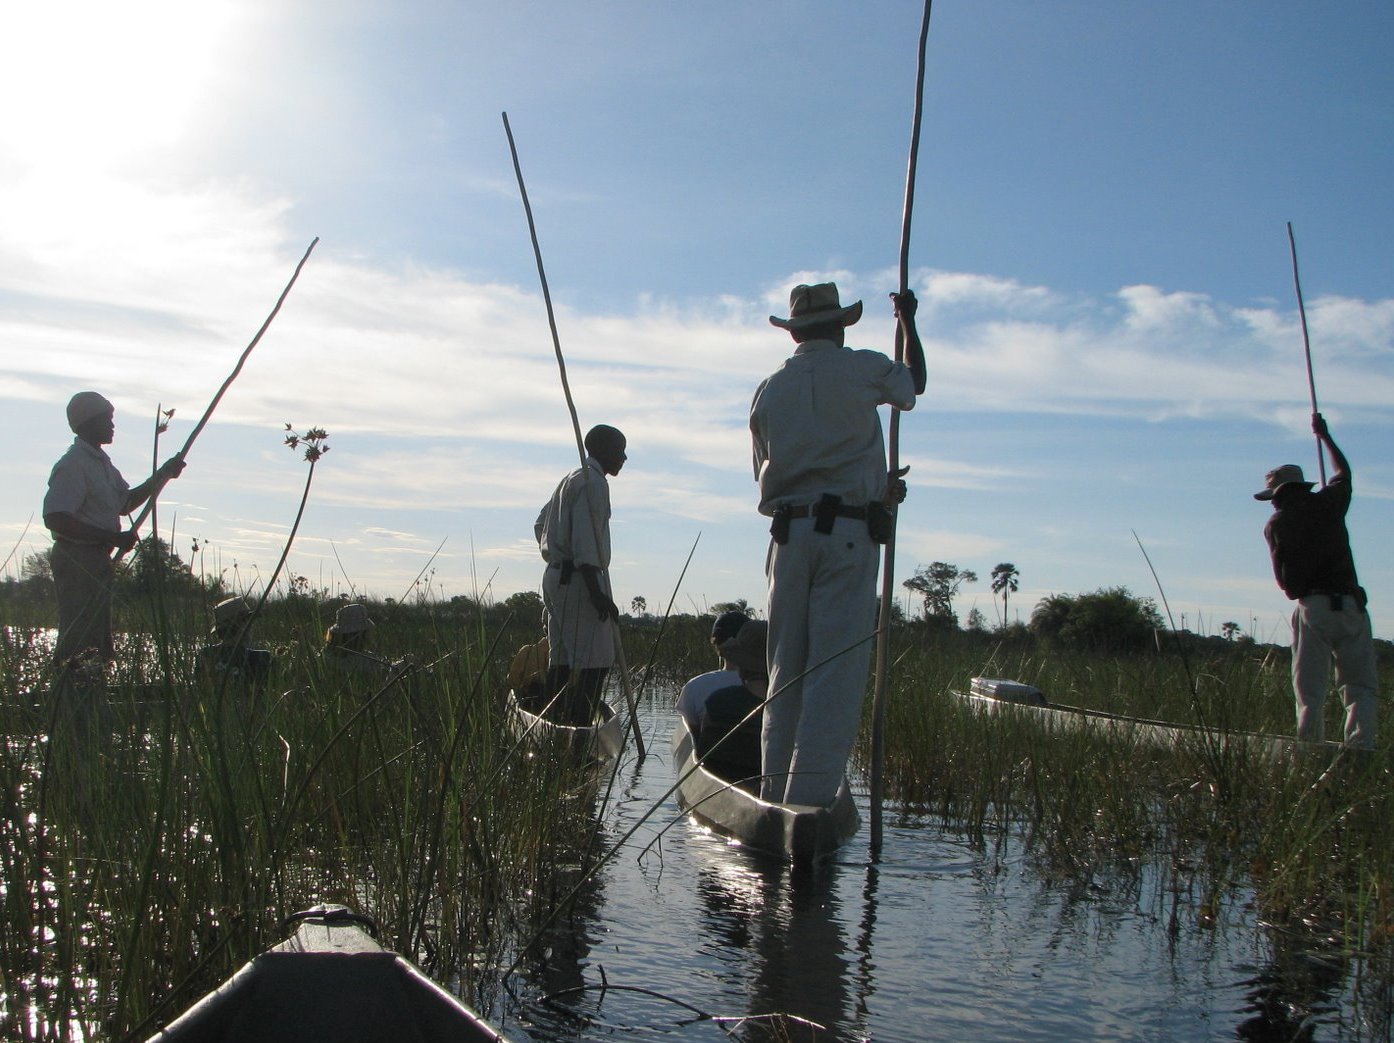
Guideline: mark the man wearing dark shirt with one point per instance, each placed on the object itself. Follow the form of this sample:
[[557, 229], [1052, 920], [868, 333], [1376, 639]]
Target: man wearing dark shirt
[[1312, 562]]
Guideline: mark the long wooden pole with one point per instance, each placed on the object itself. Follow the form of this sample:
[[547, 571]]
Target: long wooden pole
[[1307, 347], [625, 685], [203, 421], [883, 622]]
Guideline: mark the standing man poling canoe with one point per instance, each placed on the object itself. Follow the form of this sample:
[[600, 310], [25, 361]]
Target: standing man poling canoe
[[573, 534], [1312, 561], [820, 459], [83, 507]]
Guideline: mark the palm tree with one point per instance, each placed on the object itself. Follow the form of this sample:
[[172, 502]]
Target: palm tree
[[1005, 581]]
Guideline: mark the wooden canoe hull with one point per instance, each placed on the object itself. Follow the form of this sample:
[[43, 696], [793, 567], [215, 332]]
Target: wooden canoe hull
[[329, 980], [602, 741], [1153, 733], [800, 833]]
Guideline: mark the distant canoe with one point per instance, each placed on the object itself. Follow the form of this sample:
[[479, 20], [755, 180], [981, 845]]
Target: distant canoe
[[994, 694], [602, 741], [330, 980], [800, 833]]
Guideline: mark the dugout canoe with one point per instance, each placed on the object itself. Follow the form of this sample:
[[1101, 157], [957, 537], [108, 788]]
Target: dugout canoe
[[997, 695], [601, 741], [330, 980], [799, 833]]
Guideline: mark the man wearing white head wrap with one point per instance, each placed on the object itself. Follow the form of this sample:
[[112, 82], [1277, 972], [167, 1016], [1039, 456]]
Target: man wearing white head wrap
[[82, 509]]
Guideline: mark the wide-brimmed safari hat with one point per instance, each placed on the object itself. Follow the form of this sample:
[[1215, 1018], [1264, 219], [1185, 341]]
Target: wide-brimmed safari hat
[[351, 619], [1288, 474], [85, 406], [231, 610], [747, 648], [817, 305]]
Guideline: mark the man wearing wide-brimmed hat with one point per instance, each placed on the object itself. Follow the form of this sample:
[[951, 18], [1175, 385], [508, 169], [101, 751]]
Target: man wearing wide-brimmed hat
[[346, 644], [1312, 561], [820, 459], [229, 652], [82, 509]]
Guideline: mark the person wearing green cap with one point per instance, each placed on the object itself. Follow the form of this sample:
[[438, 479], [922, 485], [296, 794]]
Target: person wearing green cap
[[82, 509]]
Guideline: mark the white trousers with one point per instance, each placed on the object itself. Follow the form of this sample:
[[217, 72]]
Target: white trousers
[[575, 635], [822, 602], [1319, 635]]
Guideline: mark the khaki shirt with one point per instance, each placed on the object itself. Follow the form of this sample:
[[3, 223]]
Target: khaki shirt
[[574, 525], [86, 484], [815, 428]]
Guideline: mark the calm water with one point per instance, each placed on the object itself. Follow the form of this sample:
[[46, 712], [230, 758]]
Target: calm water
[[937, 941]]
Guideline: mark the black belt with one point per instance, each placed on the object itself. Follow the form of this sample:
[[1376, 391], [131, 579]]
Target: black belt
[[1337, 599], [567, 567], [808, 510]]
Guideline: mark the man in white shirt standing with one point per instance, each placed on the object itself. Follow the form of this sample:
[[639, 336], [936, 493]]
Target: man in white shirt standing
[[82, 509], [573, 534], [820, 459]]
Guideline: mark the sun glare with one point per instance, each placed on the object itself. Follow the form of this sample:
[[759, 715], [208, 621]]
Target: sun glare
[[97, 83]]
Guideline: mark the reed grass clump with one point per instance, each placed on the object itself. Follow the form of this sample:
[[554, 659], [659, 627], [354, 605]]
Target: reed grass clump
[[155, 832], [1221, 818]]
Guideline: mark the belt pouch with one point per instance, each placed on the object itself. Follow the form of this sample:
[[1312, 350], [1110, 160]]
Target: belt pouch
[[567, 568], [779, 525], [880, 522], [825, 513]]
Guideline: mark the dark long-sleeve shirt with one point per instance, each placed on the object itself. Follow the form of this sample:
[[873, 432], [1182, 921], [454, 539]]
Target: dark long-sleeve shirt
[[1308, 541]]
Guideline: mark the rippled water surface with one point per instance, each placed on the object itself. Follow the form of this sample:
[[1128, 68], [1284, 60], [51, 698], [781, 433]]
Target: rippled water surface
[[936, 941]]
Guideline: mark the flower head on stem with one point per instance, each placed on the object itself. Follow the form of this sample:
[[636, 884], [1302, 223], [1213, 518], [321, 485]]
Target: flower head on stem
[[314, 441]]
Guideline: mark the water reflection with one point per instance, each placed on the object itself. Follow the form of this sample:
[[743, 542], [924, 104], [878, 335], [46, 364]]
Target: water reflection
[[1296, 991], [788, 928], [940, 940], [567, 939]]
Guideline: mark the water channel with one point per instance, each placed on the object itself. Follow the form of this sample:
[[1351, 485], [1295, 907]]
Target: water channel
[[936, 941]]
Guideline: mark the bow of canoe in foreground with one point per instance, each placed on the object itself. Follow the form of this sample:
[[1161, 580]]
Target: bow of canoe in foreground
[[329, 980]]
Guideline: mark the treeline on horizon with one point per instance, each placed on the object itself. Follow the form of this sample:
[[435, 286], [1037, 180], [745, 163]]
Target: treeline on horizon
[[1108, 620]]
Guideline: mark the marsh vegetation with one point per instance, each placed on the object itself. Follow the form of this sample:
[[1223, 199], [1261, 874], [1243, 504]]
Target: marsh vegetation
[[155, 833]]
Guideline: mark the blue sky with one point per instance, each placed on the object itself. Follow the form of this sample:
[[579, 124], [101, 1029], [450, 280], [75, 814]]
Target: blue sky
[[1099, 244]]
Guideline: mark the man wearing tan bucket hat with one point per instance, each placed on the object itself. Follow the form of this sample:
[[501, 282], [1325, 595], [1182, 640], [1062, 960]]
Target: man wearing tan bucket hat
[[83, 507], [820, 459], [1312, 561]]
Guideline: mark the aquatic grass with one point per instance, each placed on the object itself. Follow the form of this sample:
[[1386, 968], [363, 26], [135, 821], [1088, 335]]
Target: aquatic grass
[[1220, 819], [204, 818], [162, 865]]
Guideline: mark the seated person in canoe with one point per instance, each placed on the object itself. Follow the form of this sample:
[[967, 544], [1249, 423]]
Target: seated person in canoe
[[727, 738], [346, 645], [229, 651], [527, 676], [694, 693]]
